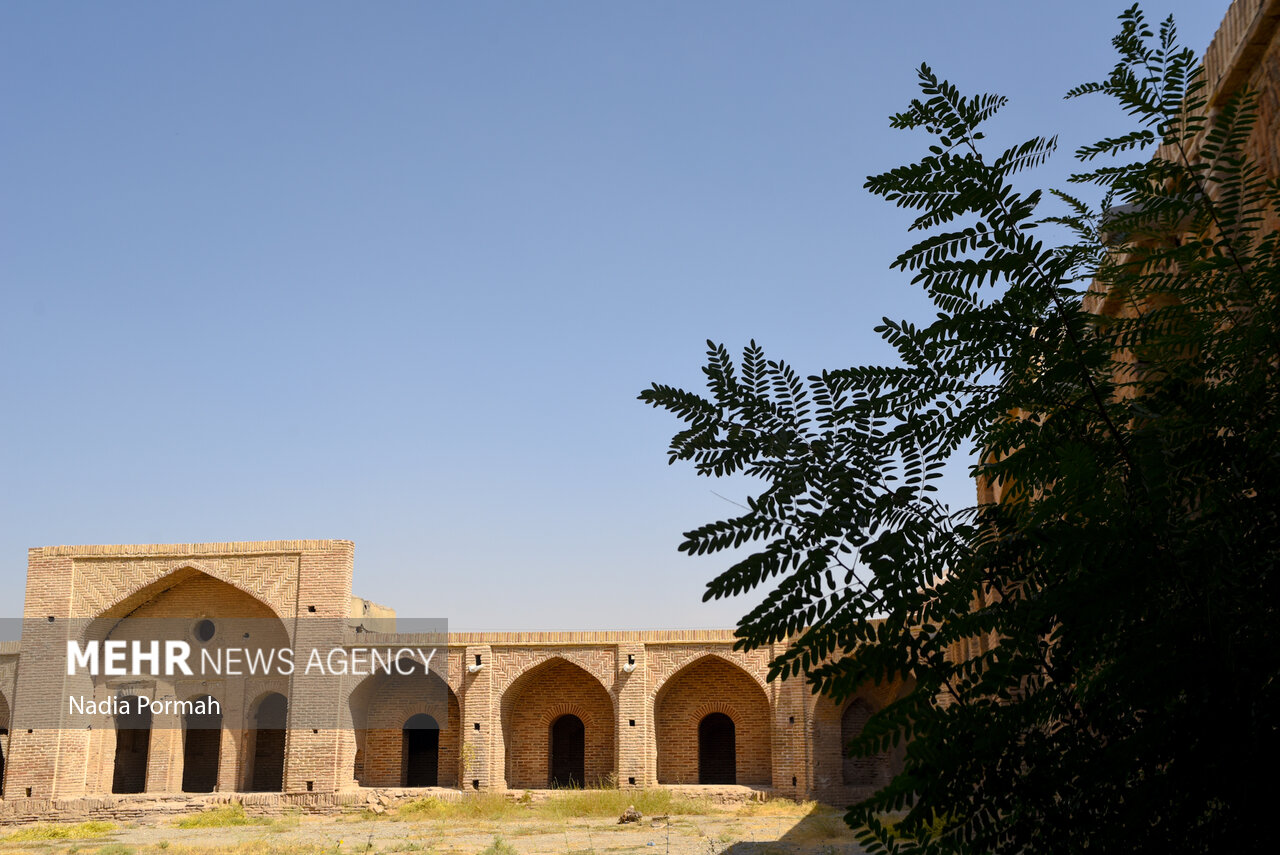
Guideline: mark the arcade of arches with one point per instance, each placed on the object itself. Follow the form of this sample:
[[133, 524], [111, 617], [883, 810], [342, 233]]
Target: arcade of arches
[[496, 710], [492, 711]]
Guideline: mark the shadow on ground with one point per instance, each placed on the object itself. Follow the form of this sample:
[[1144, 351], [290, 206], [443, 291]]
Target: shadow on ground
[[822, 830]]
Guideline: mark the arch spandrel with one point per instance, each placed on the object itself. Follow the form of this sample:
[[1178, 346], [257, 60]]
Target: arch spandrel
[[512, 663], [112, 587], [454, 672], [665, 662], [177, 605]]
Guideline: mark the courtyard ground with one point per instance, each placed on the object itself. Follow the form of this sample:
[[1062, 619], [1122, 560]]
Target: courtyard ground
[[574, 823]]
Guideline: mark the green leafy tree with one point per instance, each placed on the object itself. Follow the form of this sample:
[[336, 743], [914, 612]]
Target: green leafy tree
[[1093, 657]]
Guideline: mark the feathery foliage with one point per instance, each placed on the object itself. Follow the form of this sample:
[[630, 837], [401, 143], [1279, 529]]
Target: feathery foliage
[[1091, 654]]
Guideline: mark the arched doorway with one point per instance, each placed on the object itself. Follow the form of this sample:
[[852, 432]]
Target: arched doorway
[[385, 709], [542, 710], [717, 750], [692, 742], [860, 771], [267, 766], [201, 742], [568, 752], [421, 739], [133, 744]]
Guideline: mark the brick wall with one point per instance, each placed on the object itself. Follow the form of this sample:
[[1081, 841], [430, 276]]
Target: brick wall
[[1245, 52], [4, 737], [69, 587], [709, 685], [534, 702], [640, 695], [398, 698], [830, 766]]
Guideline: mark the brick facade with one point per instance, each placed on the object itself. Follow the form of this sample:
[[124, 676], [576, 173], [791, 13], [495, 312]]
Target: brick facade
[[712, 685], [494, 698], [541, 695]]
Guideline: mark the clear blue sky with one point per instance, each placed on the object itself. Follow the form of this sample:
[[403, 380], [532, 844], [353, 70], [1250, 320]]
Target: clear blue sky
[[396, 272]]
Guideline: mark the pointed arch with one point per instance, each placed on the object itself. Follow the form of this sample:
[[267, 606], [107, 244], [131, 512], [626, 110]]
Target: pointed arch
[[535, 700], [837, 777], [717, 749], [168, 606], [668, 662], [516, 662], [710, 687], [420, 739], [388, 711], [568, 752], [124, 600], [857, 771]]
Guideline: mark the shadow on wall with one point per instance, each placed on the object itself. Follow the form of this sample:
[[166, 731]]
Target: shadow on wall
[[407, 729], [4, 738]]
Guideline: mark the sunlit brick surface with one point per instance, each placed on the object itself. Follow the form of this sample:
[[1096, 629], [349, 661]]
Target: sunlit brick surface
[[494, 696]]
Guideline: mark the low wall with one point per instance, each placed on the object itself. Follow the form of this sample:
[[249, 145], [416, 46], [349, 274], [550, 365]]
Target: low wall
[[147, 806], [153, 807]]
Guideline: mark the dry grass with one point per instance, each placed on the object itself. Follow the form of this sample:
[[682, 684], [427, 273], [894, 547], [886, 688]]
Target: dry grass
[[480, 806], [576, 822], [933, 830], [822, 825], [589, 804], [499, 847], [611, 803], [58, 831], [777, 807], [249, 847], [223, 816]]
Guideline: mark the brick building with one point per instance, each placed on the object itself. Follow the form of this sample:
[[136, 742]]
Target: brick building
[[493, 711]]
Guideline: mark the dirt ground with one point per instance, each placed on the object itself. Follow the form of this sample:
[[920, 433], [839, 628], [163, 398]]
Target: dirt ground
[[787, 831]]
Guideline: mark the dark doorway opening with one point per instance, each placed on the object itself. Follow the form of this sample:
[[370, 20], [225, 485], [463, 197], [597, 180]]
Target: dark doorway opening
[[421, 751], [568, 752], [717, 750], [201, 742], [269, 720], [133, 743], [3, 733]]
